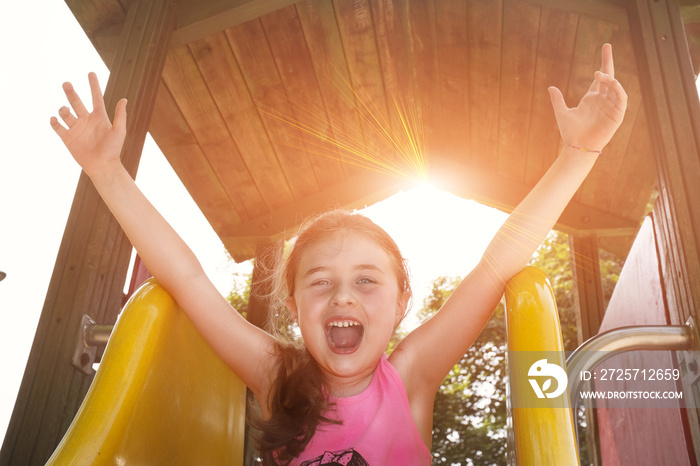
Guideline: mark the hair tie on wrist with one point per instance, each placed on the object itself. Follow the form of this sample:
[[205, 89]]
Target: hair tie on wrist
[[583, 149]]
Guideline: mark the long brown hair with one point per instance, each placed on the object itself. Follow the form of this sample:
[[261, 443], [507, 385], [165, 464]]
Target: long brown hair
[[297, 401]]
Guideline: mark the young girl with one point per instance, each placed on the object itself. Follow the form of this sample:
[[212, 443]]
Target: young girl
[[339, 398]]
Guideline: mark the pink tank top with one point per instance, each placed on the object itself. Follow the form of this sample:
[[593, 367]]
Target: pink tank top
[[377, 430]]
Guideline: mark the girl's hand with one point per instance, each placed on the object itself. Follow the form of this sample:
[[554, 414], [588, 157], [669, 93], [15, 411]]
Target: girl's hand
[[593, 122], [90, 137]]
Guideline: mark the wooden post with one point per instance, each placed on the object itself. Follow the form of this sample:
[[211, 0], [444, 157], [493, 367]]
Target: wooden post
[[588, 289], [673, 110], [94, 255], [590, 308]]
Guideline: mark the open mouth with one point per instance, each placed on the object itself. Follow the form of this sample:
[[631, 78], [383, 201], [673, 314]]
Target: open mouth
[[344, 335]]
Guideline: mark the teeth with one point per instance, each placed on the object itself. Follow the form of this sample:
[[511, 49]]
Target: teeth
[[344, 323]]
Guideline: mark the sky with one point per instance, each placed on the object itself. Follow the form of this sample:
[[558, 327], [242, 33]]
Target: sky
[[440, 234]]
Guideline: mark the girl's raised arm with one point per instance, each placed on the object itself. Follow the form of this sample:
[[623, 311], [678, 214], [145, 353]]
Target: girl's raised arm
[[428, 353], [96, 145]]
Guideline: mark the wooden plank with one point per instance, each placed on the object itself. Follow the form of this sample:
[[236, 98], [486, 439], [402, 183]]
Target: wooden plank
[[488, 188], [94, 255], [169, 128], [518, 65], [484, 25], [328, 58], [197, 19], [356, 28], [423, 36], [591, 35], [636, 181], [638, 299], [100, 16], [398, 68], [189, 90], [672, 105], [671, 100], [252, 52], [452, 135], [614, 11], [230, 92], [291, 54], [601, 183], [355, 192], [588, 290], [557, 36]]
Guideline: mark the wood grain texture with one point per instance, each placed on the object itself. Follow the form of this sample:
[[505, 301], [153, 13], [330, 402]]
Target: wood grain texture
[[286, 104]]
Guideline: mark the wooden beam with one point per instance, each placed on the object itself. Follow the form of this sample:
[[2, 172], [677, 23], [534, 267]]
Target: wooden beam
[[690, 13], [197, 20], [588, 289], [671, 98], [613, 10], [370, 187], [673, 108], [353, 193], [590, 309], [93, 258], [504, 194]]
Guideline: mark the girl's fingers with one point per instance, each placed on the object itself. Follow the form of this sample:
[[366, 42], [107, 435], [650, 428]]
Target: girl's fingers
[[603, 77], [614, 100], [74, 100], [607, 66], [97, 98], [66, 116], [60, 130], [610, 86], [120, 115], [607, 70], [617, 95], [557, 98]]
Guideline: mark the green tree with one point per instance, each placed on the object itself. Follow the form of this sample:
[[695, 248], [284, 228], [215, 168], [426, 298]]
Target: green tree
[[239, 297], [553, 257], [469, 415]]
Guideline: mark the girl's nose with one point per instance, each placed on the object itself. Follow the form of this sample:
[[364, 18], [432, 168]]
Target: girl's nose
[[343, 297]]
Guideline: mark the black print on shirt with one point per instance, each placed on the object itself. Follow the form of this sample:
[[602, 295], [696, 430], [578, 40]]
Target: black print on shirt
[[338, 458]]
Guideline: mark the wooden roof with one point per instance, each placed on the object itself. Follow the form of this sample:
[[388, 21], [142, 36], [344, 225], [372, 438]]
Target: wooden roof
[[271, 110]]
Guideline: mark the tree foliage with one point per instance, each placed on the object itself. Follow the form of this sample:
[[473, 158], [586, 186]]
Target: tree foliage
[[469, 415], [553, 257], [239, 297]]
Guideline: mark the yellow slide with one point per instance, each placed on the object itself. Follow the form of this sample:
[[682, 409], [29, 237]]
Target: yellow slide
[[543, 426], [160, 397]]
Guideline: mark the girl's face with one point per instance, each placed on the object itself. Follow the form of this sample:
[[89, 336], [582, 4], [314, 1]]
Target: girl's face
[[347, 303]]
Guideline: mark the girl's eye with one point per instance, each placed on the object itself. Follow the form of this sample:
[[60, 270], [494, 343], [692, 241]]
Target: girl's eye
[[320, 283], [364, 281]]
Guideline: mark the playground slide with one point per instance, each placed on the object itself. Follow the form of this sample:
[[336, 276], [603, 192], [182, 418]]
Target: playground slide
[[543, 429], [160, 396]]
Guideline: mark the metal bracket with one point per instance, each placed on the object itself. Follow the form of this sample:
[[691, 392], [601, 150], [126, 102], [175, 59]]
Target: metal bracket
[[689, 362], [90, 336]]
